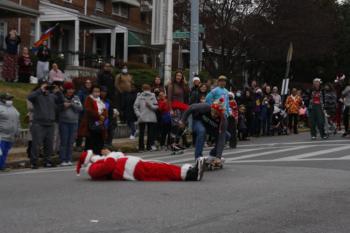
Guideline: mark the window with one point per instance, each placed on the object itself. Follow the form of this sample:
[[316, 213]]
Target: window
[[3, 34], [100, 5], [32, 33], [121, 9], [145, 17]]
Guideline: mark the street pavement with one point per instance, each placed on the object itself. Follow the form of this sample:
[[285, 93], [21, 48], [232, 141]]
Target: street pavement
[[285, 184]]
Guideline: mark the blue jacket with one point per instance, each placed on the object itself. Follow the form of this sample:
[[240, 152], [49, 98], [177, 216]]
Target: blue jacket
[[216, 94]]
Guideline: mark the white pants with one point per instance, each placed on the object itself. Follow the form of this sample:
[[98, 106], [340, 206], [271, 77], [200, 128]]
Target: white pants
[[42, 70]]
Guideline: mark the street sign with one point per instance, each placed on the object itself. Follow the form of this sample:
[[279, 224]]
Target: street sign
[[186, 35], [181, 35]]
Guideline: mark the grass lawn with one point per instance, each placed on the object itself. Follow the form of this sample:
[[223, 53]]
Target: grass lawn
[[20, 91]]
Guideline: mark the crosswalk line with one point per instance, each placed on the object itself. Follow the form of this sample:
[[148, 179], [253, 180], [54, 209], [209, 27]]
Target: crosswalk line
[[268, 153], [191, 152], [346, 158], [296, 143], [314, 153], [232, 152]]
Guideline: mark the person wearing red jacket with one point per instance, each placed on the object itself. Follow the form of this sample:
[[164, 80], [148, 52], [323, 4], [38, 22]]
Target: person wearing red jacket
[[232, 120], [118, 166]]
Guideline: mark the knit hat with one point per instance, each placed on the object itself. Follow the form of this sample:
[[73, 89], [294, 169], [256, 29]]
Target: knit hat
[[68, 85], [317, 80], [231, 94], [83, 160], [222, 78], [196, 78], [219, 106], [104, 89]]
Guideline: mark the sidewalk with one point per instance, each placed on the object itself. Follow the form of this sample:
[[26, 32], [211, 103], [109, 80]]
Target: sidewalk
[[18, 156]]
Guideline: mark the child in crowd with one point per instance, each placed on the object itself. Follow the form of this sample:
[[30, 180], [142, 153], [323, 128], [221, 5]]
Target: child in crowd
[[165, 119], [145, 108], [242, 124]]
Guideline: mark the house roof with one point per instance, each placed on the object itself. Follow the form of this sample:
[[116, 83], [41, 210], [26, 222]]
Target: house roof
[[134, 3], [11, 9], [55, 13]]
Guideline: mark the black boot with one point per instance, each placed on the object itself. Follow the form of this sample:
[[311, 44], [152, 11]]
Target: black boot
[[192, 174]]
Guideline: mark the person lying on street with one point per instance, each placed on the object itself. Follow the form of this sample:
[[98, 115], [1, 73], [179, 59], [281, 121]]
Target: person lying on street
[[118, 166]]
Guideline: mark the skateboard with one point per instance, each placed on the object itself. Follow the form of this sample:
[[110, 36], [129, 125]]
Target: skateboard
[[177, 152], [214, 164]]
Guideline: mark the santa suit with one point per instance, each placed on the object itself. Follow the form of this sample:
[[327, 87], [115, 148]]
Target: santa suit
[[117, 166]]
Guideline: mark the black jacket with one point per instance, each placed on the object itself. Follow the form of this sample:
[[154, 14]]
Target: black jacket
[[127, 106]]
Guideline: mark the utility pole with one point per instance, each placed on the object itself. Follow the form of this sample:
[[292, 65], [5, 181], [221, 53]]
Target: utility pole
[[169, 42], [194, 51]]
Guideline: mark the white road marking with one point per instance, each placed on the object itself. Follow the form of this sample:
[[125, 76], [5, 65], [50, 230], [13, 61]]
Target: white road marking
[[345, 157], [295, 143], [48, 170], [314, 153], [191, 152], [290, 160], [268, 153]]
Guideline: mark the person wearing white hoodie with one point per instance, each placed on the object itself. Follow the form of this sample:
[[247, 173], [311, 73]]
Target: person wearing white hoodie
[[9, 126], [145, 107]]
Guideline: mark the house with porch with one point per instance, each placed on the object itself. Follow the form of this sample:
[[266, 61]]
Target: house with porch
[[89, 32]]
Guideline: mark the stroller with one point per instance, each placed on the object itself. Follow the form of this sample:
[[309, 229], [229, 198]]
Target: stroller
[[329, 126], [279, 122], [176, 133]]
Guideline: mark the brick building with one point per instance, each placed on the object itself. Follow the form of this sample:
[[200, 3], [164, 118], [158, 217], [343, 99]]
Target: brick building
[[88, 31]]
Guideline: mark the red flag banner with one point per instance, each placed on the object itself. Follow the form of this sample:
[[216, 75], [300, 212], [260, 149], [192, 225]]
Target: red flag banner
[[45, 36]]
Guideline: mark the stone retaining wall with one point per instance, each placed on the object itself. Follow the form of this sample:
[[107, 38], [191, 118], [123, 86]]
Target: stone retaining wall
[[122, 131]]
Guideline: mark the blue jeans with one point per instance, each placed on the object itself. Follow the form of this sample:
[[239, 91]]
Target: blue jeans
[[266, 117], [68, 132], [200, 131], [131, 125], [5, 147]]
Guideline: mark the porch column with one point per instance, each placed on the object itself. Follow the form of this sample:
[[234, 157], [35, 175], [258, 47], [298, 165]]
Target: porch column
[[76, 42], [113, 44], [126, 46], [37, 29]]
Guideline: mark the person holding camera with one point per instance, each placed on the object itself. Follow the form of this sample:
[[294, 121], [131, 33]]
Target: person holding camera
[[45, 100], [69, 112]]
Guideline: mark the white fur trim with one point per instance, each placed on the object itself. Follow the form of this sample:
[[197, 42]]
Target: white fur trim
[[96, 158], [88, 157], [129, 168], [184, 170], [115, 155]]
